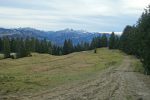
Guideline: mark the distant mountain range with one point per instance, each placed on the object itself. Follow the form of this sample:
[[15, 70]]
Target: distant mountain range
[[57, 37]]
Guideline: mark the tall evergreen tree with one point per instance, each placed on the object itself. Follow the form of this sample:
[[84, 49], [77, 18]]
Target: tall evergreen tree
[[37, 45], [1, 45], [28, 47], [6, 47], [67, 47], [32, 43], [86, 46], [112, 41], [117, 42], [104, 41], [13, 42], [95, 43], [20, 48], [49, 47], [23, 51]]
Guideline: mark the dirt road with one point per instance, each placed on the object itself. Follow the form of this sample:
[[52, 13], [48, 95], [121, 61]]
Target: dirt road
[[114, 83]]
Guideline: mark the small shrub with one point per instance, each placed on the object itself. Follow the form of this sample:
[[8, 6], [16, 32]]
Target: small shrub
[[95, 50], [138, 66], [30, 55]]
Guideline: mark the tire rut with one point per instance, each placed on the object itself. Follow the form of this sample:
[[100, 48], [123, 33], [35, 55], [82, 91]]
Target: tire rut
[[113, 83]]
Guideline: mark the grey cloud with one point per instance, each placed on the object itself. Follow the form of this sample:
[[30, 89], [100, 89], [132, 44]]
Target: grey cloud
[[90, 15]]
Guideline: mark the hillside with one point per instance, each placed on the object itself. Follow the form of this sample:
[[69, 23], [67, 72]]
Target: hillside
[[109, 74]]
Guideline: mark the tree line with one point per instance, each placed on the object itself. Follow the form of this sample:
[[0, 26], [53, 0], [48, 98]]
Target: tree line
[[23, 47], [135, 40]]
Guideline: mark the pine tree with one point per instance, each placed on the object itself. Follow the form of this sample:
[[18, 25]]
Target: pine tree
[[70, 46], [37, 45], [20, 48], [103, 40], [117, 42], [112, 41], [86, 46], [77, 48], [65, 47], [1, 45], [54, 50], [94, 44], [49, 47], [13, 42], [27, 47], [23, 51], [32, 43], [6, 47]]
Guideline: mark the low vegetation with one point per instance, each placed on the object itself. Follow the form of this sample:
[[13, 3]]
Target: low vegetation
[[42, 71], [137, 65]]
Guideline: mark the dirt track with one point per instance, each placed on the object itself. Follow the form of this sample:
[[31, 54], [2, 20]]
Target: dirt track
[[114, 83]]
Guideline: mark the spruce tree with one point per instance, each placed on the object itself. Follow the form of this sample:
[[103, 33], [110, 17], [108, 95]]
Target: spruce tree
[[70, 46], [32, 43], [6, 47], [23, 51], [112, 41], [103, 40], [49, 47], [1, 45], [18, 48], [65, 47], [27, 47], [94, 44], [13, 42], [37, 45]]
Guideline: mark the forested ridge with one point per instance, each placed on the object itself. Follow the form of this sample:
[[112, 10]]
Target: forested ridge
[[24, 47]]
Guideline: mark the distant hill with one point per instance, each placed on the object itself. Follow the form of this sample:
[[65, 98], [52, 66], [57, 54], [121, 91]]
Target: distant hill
[[57, 37]]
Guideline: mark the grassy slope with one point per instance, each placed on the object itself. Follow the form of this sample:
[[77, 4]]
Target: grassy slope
[[42, 71]]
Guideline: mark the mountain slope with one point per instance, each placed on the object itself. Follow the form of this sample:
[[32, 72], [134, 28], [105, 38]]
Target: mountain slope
[[56, 37]]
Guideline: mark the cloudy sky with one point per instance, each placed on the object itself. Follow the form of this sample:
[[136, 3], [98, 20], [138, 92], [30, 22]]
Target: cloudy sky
[[90, 15]]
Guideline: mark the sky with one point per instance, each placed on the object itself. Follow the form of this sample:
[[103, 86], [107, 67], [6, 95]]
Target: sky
[[89, 15]]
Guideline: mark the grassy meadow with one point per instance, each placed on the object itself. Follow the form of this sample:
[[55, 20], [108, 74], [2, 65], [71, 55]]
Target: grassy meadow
[[43, 71]]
